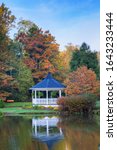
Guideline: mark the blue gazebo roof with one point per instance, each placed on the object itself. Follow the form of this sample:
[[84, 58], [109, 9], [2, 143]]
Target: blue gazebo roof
[[49, 82]]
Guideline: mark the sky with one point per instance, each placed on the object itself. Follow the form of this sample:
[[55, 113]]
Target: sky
[[69, 21]]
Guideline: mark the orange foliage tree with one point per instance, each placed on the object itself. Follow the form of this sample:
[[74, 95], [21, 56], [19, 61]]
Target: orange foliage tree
[[6, 81], [82, 81], [63, 61], [69, 49], [40, 50]]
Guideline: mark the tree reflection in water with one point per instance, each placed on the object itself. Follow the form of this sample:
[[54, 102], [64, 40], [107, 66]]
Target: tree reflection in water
[[80, 134], [48, 133]]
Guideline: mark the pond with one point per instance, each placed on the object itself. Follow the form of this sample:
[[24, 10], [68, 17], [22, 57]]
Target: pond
[[49, 133]]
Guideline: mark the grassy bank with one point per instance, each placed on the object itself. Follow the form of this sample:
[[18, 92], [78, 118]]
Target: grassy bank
[[23, 108], [11, 111]]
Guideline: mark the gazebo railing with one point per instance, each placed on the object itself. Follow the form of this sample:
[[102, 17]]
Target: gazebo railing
[[42, 101], [52, 101]]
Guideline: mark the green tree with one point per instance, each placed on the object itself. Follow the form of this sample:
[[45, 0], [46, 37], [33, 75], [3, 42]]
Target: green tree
[[24, 80], [85, 57], [20, 72], [26, 26]]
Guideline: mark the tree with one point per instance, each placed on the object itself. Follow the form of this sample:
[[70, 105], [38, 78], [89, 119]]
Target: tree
[[26, 26], [40, 51], [63, 62], [6, 22], [85, 57], [82, 81], [24, 80], [20, 72], [70, 48]]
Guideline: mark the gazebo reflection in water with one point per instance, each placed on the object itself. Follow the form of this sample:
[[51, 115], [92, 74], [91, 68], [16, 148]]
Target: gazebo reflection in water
[[46, 130]]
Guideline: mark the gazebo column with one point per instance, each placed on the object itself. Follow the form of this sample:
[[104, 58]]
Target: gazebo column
[[32, 95], [35, 96], [59, 93], [47, 97]]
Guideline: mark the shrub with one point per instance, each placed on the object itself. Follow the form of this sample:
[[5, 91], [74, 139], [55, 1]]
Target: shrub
[[41, 107], [1, 114], [80, 103], [38, 107], [1, 104], [56, 108], [35, 107], [27, 107], [62, 103], [50, 107]]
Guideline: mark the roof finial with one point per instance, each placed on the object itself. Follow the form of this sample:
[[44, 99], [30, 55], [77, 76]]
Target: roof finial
[[49, 75]]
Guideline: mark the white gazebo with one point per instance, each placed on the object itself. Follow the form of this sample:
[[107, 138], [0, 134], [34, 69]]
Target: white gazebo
[[46, 92]]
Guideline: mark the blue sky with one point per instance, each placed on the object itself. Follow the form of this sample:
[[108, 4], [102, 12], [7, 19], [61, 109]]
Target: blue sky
[[70, 21]]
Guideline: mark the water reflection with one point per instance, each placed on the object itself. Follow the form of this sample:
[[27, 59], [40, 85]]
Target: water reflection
[[48, 133], [80, 133], [46, 130]]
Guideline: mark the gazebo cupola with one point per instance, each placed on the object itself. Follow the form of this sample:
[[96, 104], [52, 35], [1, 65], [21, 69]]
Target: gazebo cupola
[[47, 91]]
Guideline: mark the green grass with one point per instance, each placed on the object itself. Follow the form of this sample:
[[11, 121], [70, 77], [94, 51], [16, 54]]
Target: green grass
[[17, 108], [17, 104]]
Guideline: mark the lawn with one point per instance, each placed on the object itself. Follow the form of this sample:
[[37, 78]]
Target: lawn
[[18, 108], [17, 104]]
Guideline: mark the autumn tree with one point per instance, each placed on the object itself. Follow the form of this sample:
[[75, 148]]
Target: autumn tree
[[82, 81], [85, 57], [6, 22], [40, 51], [63, 61], [69, 49]]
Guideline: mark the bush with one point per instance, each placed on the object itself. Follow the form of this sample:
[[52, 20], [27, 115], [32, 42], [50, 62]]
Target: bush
[[35, 107], [50, 107], [38, 107], [56, 108], [27, 107], [1, 104], [41, 107], [1, 114], [80, 103]]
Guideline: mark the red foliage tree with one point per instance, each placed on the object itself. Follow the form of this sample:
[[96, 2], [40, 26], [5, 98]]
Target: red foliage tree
[[82, 81], [40, 50]]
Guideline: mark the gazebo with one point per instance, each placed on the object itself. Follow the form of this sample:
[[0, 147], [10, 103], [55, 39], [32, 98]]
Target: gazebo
[[46, 92]]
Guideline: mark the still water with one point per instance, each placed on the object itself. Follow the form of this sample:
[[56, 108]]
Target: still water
[[49, 133]]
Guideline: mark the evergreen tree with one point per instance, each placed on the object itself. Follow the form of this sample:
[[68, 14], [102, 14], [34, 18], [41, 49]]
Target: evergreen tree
[[85, 57]]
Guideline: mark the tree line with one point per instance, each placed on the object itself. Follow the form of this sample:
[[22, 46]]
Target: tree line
[[32, 53]]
